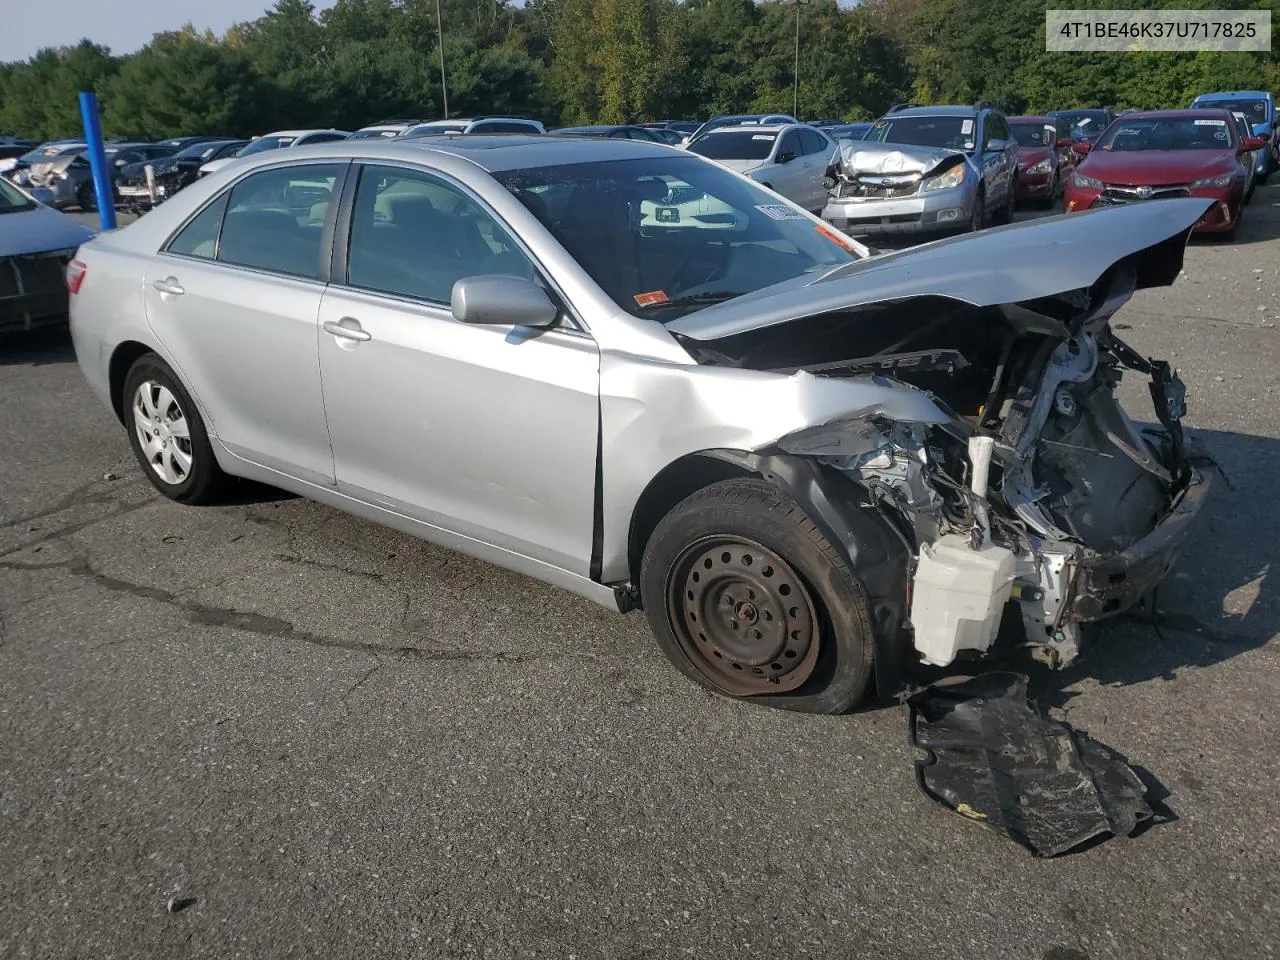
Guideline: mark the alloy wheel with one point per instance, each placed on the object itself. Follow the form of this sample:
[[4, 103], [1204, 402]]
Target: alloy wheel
[[743, 616], [163, 433]]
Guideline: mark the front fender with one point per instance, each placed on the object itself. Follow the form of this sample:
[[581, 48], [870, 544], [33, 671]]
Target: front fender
[[875, 550]]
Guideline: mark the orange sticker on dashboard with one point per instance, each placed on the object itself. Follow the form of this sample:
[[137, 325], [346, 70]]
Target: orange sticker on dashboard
[[651, 298], [836, 237]]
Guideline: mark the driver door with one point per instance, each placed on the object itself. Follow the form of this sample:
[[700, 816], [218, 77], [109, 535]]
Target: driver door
[[489, 432]]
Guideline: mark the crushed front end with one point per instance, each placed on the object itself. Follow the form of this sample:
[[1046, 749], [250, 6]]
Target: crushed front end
[[1037, 506], [885, 189]]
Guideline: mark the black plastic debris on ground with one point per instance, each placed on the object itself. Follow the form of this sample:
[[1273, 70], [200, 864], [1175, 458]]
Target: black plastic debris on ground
[[993, 758]]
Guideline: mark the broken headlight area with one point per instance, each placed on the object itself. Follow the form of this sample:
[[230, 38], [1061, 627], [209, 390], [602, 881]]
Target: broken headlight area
[[1038, 506]]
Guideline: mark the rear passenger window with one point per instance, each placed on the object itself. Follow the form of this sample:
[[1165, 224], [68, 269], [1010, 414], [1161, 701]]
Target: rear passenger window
[[199, 238], [415, 235], [812, 141], [275, 219]]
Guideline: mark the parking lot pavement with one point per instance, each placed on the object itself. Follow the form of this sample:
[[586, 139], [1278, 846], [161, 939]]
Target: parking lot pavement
[[325, 738]]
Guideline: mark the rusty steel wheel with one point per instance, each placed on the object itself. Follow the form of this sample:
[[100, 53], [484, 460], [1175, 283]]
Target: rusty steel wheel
[[743, 616]]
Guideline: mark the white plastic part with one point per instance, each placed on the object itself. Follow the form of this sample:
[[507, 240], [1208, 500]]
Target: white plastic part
[[957, 597], [980, 450]]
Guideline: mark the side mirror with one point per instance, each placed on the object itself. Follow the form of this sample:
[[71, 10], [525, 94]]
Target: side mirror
[[996, 144], [786, 156], [1065, 143], [1253, 143], [499, 299], [1082, 146]]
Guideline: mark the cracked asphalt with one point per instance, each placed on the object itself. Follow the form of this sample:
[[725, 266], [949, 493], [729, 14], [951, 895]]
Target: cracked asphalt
[[318, 737]]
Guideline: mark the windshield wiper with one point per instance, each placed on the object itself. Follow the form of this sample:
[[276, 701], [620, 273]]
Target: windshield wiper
[[695, 299]]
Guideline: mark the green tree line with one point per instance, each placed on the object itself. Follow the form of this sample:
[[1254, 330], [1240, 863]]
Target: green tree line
[[610, 61]]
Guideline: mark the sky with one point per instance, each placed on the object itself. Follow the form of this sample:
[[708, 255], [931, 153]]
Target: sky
[[122, 25]]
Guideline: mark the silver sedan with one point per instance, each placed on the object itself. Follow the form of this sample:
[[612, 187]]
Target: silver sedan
[[625, 370]]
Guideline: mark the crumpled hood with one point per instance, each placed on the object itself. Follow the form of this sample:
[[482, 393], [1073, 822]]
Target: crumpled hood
[[1005, 265], [860, 156], [38, 230], [56, 165]]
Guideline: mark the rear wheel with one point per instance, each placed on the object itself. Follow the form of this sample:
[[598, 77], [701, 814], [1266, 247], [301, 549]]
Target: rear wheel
[[748, 599], [167, 435]]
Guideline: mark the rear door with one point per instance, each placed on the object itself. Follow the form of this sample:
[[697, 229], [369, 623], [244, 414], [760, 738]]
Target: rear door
[[234, 299], [488, 431]]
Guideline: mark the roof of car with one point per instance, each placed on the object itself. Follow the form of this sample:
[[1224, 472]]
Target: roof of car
[[512, 151], [1235, 95], [945, 111], [760, 128], [1173, 114], [300, 133], [1030, 118]]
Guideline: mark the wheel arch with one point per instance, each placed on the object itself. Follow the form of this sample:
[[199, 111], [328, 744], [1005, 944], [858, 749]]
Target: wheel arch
[[875, 549], [123, 357]]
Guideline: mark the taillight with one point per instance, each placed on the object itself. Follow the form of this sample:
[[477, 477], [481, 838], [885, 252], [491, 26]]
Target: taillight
[[76, 271]]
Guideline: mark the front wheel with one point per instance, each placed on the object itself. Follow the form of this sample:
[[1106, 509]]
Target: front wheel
[[977, 216], [747, 598], [167, 435]]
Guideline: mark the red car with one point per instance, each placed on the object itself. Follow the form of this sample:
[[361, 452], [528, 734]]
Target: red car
[[1166, 153], [1045, 159]]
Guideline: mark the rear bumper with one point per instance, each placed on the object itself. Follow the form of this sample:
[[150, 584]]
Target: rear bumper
[[1110, 585]]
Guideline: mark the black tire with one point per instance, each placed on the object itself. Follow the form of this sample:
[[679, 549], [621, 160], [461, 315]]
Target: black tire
[[978, 216], [811, 590], [86, 199], [203, 481], [1006, 211]]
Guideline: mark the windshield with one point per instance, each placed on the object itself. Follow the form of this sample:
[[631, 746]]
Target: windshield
[[665, 236], [269, 142], [951, 133], [195, 151], [13, 200], [1176, 133], [1083, 124], [734, 145], [1033, 134], [1254, 110]]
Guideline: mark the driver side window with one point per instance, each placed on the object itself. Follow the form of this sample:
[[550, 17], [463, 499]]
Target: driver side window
[[415, 235]]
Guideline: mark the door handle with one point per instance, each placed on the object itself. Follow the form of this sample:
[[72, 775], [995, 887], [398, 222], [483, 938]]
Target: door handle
[[348, 328], [170, 285]]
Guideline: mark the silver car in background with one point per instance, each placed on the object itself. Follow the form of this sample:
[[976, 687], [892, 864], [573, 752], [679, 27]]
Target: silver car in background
[[922, 170], [629, 372]]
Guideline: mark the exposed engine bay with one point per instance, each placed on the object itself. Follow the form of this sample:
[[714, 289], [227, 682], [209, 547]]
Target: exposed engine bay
[[1038, 495]]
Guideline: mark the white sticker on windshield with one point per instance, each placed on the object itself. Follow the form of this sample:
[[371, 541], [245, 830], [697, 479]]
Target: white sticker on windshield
[[777, 211], [764, 136], [966, 127], [1211, 123], [968, 145]]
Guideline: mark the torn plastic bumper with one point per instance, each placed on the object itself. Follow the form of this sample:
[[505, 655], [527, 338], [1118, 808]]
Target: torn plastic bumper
[[990, 756], [1106, 586]]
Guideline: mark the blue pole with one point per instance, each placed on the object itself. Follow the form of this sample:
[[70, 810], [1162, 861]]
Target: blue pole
[[98, 161]]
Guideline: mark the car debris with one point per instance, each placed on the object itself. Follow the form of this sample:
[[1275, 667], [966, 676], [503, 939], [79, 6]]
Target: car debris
[[989, 755]]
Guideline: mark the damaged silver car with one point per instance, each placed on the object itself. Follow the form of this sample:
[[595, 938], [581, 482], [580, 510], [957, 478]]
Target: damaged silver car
[[922, 170], [639, 376]]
